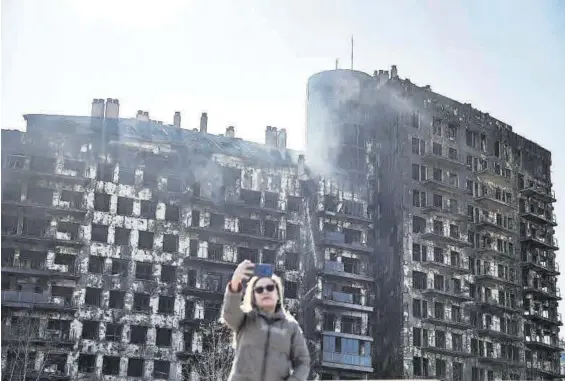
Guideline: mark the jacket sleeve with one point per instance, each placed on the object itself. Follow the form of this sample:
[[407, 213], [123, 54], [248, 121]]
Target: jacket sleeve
[[232, 314], [300, 356]]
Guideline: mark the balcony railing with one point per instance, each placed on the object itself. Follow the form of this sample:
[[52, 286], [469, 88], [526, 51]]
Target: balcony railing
[[345, 298], [449, 319], [447, 158], [350, 328], [32, 299], [254, 233], [541, 193], [539, 216], [338, 239], [543, 315], [351, 270], [492, 223], [543, 341], [492, 250], [539, 263], [496, 329], [550, 292], [445, 210], [75, 209], [457, 266], [491, 274], [549, 367], [549, 243], [39, 267], [347, 359], [493, 175], [329, 210], [447, 289], [450, 239], [494, 303], [493, 203], [51, 335], [443, 186], [493, 358]]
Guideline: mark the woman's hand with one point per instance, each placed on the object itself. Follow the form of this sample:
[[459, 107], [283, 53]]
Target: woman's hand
[[244, 271]]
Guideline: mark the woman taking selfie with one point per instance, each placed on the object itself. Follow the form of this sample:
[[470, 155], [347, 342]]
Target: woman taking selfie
[[269, 344]]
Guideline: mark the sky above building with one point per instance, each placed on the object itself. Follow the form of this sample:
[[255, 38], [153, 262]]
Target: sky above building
[[246, 62]]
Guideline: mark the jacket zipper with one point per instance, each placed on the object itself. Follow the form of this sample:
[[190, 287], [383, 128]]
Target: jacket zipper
[[264, 367]]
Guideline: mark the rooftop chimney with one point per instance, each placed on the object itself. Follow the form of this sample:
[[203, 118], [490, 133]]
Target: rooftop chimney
[[393, 71], [112, 108], [274, 135], [281, 138], [270, 137], [383, 76], [142, 116], [97, 108], [230, 132], [204, 122], [176, 119]]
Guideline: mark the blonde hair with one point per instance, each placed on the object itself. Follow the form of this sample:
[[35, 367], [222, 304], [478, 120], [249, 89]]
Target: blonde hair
[[249, 305]]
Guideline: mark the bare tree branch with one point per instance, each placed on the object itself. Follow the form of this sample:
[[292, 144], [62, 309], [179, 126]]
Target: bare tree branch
[[30, 353], [214, 357]]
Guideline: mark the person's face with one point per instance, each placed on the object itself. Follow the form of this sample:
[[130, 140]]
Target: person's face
[[266, 296]]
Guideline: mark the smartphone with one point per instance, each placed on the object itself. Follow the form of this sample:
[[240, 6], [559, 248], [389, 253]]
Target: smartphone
[[263, 270]]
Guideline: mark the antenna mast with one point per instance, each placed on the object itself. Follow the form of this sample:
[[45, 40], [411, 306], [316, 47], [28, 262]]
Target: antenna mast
[[336, 63], [351, 52]]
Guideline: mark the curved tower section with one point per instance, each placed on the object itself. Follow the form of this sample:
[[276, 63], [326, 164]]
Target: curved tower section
[[340, 116], [338, 112]]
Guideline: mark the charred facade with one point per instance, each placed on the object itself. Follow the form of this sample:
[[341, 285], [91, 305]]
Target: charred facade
[[414, 238], [463, 225], [119, 236]]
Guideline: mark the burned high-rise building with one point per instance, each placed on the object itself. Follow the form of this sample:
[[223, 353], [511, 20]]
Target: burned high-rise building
[[119, 236], [414, 237], [462, 230]]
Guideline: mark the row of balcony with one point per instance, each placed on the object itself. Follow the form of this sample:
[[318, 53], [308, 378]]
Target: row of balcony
[[459, 350], [550, 369], [461, 321], [39, 167], [74, 210], [338, 240], [546, 243], [39, 268], [349, 270], [445, 289], [539, 263], [543, 342], [543, 316], [541, 193], [496, 175], [540, 217], [543, 291], [53, 336], [29, 299]]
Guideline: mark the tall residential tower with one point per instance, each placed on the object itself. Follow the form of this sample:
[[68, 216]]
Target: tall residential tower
[[463, 224]]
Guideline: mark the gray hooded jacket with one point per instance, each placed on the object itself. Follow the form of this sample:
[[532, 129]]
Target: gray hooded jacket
[[270, 347]]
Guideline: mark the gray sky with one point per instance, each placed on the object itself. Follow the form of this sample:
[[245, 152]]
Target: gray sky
[[246, 62]]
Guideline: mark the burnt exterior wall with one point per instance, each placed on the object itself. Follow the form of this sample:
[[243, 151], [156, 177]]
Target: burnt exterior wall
[[422, 247], [462, 225], [119, 237], [479, 291], [125, 233]]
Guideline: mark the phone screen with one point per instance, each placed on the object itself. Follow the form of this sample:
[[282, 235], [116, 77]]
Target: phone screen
[[263, 270]]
